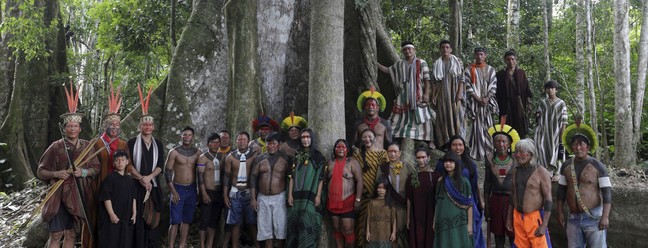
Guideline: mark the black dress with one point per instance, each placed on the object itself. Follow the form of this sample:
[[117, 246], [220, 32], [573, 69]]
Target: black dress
[[120, 190]]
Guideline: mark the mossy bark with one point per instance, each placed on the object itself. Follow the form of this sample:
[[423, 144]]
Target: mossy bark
[[29, 126], [196, 92], [244, 96], [297, 66]]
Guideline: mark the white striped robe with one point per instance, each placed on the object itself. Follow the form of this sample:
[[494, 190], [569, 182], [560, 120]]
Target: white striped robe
[[485, 85], [547, 134], [414, 122]]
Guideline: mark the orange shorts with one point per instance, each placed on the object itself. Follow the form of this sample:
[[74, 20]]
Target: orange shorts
[[524, 226]]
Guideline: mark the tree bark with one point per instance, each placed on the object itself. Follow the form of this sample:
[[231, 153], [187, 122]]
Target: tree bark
[[590, 65], [641, 76], [456, 24], [546, 16], [326, 77], [513, 24], [7, 61], [274, 22], [29, 127], [580, 58], [297, 61], [624, 156], [196, 86], [243, 93]]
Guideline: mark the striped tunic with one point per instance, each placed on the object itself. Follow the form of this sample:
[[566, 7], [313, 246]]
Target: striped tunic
[[407, 119], [372, 160], [484, 86], [547, 134], [450, 112]]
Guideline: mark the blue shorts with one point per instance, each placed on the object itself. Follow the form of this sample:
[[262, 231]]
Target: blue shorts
[[184, 210], [241, 204]]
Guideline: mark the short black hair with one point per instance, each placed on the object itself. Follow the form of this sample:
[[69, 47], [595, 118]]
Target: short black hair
[[551, 84], [212, 136], [273, 136], [188, 128], [224, 131], [479, 49], [120, 153], [580, 137], [510, 53], [243, 133], [445, 42]]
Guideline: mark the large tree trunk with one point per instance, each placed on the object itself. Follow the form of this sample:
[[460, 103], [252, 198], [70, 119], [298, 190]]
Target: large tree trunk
[[297, 60], [590, 65], [196, 87], [580, 58], [641, 76], [624, 156], [513, 24], [29, 127], [7, 60], [546, 16], [274, 20], [326, 77], [360, 56], [244, 103], [456, 25]]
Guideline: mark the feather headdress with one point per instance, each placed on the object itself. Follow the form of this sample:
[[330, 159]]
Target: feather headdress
[[582, 130], [144, 103], [293, 121], [72, 98], [506, 130], [371, 93], [264, 120], [114, 103]]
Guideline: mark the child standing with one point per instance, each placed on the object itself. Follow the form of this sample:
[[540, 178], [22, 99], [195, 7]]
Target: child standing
[[453, 212], [381, 221], [117, 213], [552, 118]]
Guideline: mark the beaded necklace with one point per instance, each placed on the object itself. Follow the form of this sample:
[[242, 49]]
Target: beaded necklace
[[501, 164]]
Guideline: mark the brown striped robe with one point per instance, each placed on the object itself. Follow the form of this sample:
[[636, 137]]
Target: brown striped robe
[[547, 135], [372, 160], [485, 85]]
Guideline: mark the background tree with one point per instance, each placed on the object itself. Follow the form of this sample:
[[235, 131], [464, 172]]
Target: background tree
[[624, 156]]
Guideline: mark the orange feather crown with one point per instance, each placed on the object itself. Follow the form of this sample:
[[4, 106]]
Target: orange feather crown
[[144, 103], [72, 98], [114, 103]]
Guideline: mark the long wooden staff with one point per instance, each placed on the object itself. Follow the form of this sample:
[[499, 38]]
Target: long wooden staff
[[57, 185]]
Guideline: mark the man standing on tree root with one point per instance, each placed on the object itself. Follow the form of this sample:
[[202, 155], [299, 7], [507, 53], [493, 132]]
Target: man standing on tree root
[[411, 115], [513, 94], [585, 184], [65, 207], [530, 206], [370, 102], [180, 174], [268, 178]]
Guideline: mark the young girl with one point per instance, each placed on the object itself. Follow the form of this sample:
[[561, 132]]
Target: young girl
[[453, 213], [117, 211], [381, 220]]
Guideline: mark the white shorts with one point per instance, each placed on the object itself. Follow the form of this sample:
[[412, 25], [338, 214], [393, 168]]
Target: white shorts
[[271, 218]]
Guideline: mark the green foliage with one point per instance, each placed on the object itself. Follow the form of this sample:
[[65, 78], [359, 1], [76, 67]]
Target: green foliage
[[120, 43], [29, 30]]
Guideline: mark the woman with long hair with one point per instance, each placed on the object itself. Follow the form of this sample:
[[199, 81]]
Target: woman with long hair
[[453, 210], [420, 201], [457, 145], [369, 157]]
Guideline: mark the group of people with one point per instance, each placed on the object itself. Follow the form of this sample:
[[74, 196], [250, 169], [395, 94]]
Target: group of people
[[280, 185]]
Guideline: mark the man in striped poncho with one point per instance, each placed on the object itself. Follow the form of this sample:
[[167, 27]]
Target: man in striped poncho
[[481, 86], [411, 116]]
